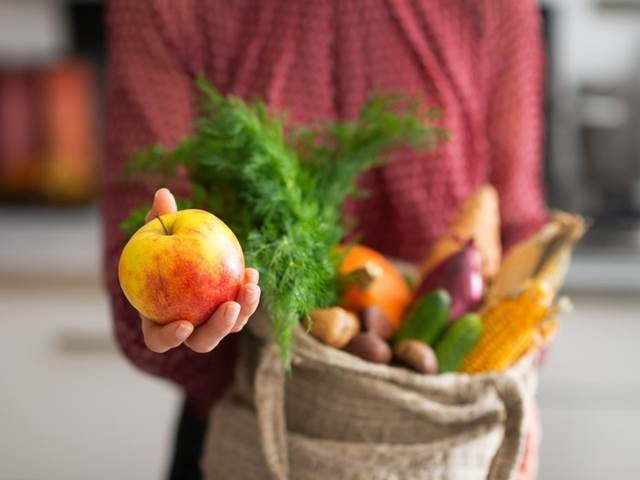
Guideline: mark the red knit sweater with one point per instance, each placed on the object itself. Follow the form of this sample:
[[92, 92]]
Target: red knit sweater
[[479, 60]]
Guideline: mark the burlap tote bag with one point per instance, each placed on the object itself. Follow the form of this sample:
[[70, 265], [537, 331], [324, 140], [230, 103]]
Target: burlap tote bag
[[336, 416]]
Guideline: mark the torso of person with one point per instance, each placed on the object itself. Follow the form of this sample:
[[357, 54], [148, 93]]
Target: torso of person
[[323, 59], [479, 61]]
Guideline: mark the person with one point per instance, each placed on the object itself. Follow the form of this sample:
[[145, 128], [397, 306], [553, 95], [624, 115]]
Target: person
[[480, 61]]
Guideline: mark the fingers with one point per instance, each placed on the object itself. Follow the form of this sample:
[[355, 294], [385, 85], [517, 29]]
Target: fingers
[[160, 338], [251, 275], [229, 317], [209, 334], [163, 202], [246, 298], [249, 298]]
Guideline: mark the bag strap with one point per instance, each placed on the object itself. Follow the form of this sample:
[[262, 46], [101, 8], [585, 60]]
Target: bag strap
[[505, 462], [269, 385]]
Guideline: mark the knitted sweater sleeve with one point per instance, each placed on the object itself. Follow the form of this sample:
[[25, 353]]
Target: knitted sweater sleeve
[[150, 99]]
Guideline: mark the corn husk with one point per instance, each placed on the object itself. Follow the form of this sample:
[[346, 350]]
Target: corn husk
[[544, 256]]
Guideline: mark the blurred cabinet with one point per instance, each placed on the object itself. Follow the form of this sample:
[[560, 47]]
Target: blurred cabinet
[[48, 133], [51, 68]]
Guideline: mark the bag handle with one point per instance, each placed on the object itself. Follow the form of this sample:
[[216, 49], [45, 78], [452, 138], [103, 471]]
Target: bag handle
[[269, 390], [504, 464], [269, 385]]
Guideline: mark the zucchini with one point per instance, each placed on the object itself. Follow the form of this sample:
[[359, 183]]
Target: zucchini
[[427, 319], [457, 342]]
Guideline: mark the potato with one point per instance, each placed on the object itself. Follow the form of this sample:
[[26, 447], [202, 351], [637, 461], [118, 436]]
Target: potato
[[370, 347], [333, 326], [374, 320], [417, 355]]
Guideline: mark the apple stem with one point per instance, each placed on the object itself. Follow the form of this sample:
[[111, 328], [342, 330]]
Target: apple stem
[[163, 225]]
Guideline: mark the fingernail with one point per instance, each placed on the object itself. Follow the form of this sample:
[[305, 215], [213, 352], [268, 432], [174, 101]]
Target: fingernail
[[231, 312], [183, 331], [254, 275], [251, 294]]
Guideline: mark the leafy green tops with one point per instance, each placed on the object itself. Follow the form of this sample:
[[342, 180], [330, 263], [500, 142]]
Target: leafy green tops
[[281, 190]]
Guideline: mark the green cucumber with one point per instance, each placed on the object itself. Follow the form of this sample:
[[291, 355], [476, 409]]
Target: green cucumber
[[427, 319], [457, 342]]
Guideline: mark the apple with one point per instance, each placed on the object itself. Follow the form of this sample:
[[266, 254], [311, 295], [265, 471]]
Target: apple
[[181, 266]]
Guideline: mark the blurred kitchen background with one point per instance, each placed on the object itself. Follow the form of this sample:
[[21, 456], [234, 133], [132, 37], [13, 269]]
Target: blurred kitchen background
[[72, 408]]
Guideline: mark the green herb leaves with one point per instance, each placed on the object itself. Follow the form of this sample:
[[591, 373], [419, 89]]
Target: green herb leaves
[[281, 191]]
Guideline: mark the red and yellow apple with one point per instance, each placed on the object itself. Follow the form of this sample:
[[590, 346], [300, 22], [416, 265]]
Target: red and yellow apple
[[181, 266]]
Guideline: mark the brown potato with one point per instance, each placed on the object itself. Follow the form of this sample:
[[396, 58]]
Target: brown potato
[[374, 320], [417, 355], [370, 347], [333, 326]]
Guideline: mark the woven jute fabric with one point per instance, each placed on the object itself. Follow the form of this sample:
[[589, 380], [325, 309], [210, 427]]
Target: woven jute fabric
[[335, 416]]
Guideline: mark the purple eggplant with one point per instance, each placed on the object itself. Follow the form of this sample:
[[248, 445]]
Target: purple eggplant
[[461, 276]]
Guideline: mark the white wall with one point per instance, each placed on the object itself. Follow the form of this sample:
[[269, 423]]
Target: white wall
[[31, 31], [595, 44]]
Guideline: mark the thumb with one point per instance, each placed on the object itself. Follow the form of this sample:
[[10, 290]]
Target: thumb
[[163, 202]]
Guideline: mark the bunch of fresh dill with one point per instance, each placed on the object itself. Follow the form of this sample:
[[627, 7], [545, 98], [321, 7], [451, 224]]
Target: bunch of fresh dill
[[281, 191]]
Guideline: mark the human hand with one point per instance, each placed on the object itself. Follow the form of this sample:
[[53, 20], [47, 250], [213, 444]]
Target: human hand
[[230, 317]]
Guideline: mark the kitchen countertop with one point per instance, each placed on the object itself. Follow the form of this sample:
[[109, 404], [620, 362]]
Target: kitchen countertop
[[72, 407], [590, 391], [45, 244]]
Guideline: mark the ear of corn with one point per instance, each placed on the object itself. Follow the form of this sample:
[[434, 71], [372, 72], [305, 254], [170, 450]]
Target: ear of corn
[[547, 332], [509, 330], [549, 326]]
